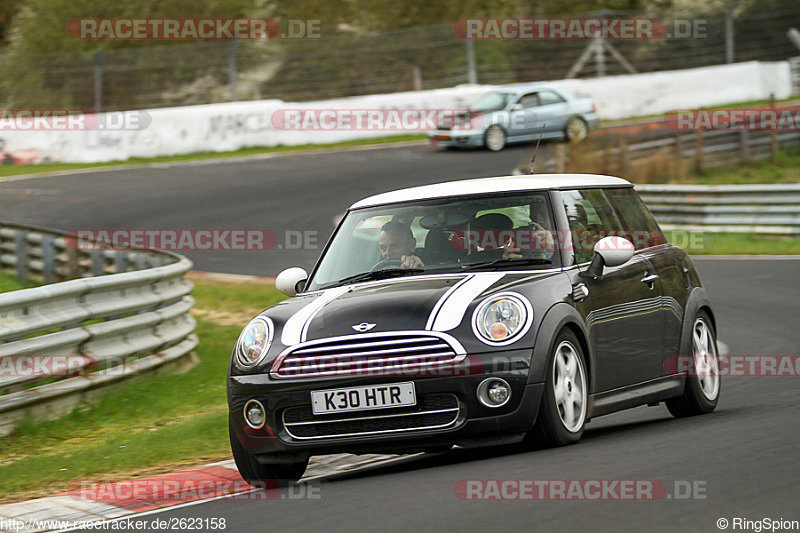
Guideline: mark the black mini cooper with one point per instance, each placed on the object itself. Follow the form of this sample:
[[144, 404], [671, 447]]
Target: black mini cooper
[[471, 313]]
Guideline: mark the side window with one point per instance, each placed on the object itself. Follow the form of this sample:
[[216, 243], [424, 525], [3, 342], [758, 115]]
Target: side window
[[529, 100], [640, 226], [591, 218], [549, 97]]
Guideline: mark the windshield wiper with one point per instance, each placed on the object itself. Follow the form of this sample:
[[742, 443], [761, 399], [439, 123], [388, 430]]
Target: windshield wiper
[[377, 274], [502, 262]]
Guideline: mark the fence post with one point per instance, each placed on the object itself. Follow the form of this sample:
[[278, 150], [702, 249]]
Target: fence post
[[623, 156], [97, 70], [48, 258], [561, 157], [232, 68], [678, 145], [472, 71], [729, 43], [417, 78], [699, 147], [744, 145], [21, 247], [98, 262], [773, 133]]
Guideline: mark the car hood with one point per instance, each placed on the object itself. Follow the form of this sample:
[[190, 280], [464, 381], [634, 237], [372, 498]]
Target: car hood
[[436, 303]]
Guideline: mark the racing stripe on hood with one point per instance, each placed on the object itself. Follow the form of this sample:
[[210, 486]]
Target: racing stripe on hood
[[449, 311], [296, 328]]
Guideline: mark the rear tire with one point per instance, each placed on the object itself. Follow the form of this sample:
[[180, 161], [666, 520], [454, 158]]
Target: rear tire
[[703, 384], [260, 475], [576, 130], [562, 413]]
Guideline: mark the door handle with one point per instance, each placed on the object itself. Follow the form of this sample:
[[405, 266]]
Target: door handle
[[649, 278]]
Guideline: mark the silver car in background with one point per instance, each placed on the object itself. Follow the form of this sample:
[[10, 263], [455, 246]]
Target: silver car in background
[[518, 114]]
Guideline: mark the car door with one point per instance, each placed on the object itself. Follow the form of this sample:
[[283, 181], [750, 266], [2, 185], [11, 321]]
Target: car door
[[622, 310], [524, 116], [552, 111], [668, 263]]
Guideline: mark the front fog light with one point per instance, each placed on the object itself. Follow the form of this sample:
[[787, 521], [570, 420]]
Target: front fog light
[[494, 392], [254, 414]]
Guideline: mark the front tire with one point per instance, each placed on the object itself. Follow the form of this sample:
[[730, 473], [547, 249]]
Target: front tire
[[562, 414], [703, 383], [261, 475], [494, 138]]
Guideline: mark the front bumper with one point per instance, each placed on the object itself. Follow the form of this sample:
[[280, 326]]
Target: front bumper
[[456, 138], [473, 423]]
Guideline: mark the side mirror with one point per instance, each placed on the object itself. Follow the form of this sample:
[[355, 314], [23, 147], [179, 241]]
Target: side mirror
[[608, 251], [291, 281]]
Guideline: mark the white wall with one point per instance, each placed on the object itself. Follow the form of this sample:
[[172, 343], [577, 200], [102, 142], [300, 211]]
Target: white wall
[[229, 126]]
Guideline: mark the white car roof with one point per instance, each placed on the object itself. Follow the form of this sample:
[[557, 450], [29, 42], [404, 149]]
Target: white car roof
[[527, 182]]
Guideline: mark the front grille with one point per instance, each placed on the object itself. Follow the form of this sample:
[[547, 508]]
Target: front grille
[[368, 354], [433, 411]]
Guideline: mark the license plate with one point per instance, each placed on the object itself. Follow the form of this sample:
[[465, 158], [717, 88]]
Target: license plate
[[443, 137], [363, 398]]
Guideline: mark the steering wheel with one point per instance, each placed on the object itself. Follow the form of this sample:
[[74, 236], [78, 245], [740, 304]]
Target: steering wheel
[[387, 263]]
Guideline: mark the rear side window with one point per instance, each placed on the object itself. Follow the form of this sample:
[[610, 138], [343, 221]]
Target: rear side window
[[549, 97], [591, 217], [640, 226]]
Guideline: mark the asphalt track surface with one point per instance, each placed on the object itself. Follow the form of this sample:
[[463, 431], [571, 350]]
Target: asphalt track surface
[[744, 455]]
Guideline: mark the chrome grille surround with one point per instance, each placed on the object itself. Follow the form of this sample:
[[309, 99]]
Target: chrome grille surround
[[372, 354]]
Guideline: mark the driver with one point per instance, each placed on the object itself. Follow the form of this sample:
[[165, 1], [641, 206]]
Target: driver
[[542, 242], [397, 242]]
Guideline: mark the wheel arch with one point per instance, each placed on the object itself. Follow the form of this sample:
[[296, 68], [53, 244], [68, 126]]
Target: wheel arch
[[559, 317]]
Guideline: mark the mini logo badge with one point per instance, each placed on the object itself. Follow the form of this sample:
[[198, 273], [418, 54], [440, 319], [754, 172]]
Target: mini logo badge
[[364, 326]]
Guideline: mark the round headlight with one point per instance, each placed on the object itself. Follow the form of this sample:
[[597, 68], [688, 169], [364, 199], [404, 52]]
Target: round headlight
[[254, 342], [502, 318]]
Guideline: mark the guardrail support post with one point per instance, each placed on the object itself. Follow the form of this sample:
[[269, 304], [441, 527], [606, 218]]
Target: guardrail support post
[[121, 261], [21, 245], [98, 262], [678, 145], [48, 259]]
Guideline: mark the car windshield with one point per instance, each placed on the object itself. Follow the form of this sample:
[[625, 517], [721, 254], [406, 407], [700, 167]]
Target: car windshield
[[507, 231], [493, 102]]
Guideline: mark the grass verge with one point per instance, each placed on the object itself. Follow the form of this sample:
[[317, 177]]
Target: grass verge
[[9, 282], [701, 243], [148, 425]]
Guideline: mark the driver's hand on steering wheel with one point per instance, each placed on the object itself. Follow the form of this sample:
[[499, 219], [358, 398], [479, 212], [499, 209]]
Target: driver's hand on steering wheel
[[509, 252], [411, 261]]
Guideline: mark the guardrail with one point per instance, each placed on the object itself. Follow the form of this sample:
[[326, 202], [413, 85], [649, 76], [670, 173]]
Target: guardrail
[[125, 314], [766, 209]]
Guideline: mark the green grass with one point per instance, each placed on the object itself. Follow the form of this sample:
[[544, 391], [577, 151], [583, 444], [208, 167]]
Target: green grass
[[9, 282], [701, 243], [784, 169], [150, 423], [15, 170]]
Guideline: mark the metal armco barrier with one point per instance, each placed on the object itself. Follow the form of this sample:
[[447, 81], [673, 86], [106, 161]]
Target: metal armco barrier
[[731, 208], [124, 314]]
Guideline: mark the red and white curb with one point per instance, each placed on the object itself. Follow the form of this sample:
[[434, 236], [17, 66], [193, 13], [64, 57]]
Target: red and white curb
[[110, 501]]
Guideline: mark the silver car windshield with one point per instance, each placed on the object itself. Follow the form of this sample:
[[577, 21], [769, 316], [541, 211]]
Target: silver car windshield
[[449, 235]]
